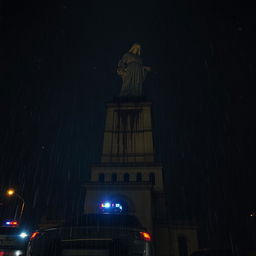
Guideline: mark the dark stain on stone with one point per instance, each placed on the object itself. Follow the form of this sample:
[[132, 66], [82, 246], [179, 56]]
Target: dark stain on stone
[[127, 124]]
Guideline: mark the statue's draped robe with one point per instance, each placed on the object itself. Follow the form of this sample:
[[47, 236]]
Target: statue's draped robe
[[134, 74]]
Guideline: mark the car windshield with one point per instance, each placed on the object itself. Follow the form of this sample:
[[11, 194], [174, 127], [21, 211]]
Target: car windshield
[[8, 231], [112, 220]]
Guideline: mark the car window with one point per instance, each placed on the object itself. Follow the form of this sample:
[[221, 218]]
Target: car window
[[8, 231], [109, 220]]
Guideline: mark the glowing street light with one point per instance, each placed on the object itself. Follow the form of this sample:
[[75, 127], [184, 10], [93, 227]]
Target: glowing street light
[[12, 192]]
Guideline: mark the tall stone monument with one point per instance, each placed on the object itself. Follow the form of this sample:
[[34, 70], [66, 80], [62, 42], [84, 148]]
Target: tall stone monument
[[128, 172]]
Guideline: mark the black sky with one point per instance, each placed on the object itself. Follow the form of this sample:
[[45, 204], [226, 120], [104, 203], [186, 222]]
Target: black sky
[[58, 68]]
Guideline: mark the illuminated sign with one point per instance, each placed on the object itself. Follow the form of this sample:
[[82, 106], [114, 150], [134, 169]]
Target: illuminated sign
[[111, 207]]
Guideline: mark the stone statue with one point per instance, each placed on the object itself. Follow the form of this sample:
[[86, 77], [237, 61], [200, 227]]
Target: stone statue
[[132, 71]]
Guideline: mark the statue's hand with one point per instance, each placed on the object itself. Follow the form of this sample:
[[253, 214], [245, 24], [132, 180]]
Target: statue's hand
[[121, 71], [148, 68]]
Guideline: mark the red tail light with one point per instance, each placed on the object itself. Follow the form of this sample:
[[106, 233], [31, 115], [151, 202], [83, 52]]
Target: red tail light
[[34, 235], [145, 236]]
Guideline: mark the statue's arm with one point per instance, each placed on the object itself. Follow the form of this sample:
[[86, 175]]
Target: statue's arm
[[123, 62], [121, 67]]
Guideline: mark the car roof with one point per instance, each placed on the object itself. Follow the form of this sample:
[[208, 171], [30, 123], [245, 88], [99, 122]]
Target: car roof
[[100, 219], [8, 230]]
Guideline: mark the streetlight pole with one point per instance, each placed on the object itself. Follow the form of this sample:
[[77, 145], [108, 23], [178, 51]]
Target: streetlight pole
[[11, 192], [22, 206]]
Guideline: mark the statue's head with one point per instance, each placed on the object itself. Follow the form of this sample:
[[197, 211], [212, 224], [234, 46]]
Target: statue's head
[[135, 49]]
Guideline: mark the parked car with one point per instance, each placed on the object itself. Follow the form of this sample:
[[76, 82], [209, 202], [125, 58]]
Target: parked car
[[93, 234], [13, 238]]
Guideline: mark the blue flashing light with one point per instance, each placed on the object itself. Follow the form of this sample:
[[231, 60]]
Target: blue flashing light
[[12, 223], [107, 205], [111, 207]]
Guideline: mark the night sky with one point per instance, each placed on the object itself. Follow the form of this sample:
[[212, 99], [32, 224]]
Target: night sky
[[58, 68]]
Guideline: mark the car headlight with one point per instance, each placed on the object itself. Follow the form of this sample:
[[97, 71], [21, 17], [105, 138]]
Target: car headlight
[[18, 253], [23, 235]]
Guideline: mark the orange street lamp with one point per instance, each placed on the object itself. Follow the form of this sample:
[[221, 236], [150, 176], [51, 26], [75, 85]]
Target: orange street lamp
[[12, 192]]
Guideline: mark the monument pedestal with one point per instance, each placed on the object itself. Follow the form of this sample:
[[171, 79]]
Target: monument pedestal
[[128, 133], [128, 173]]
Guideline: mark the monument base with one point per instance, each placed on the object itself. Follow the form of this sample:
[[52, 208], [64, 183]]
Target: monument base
[[128, 131]]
